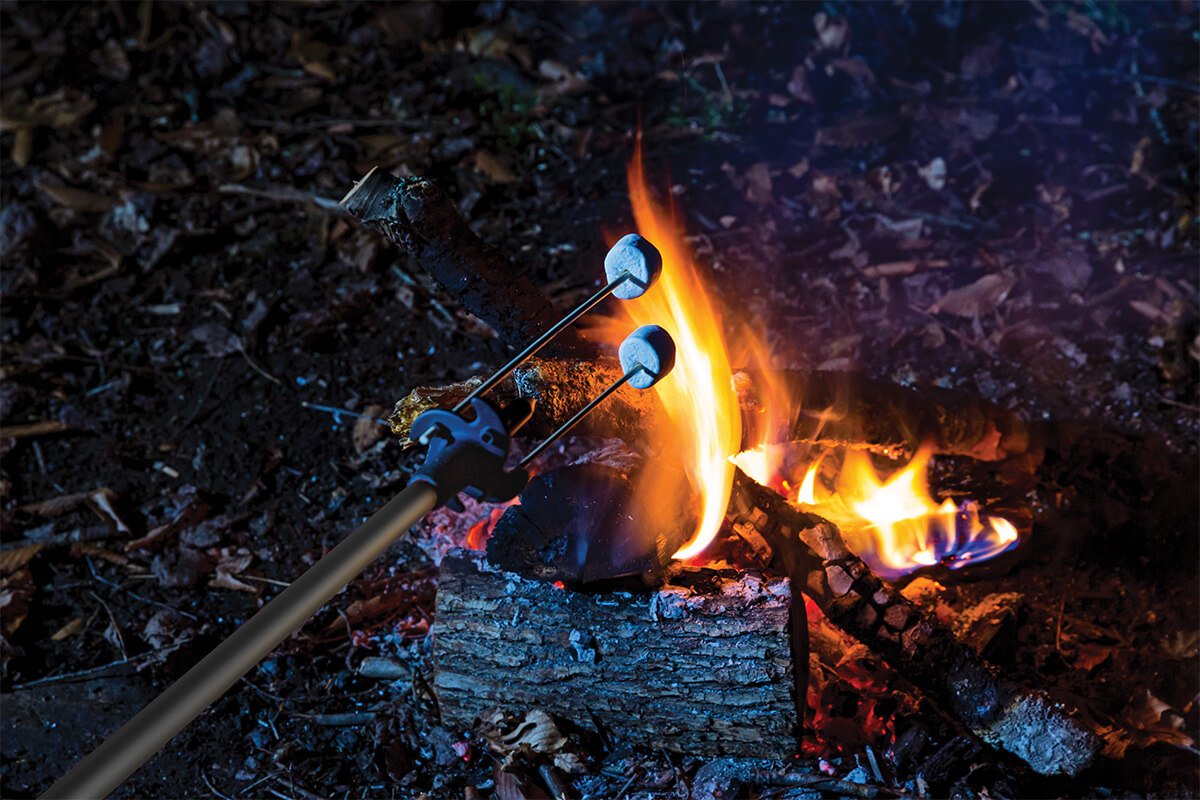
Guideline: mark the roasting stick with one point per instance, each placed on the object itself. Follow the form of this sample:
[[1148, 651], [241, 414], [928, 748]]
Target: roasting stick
[[464, 456], [156, 724]]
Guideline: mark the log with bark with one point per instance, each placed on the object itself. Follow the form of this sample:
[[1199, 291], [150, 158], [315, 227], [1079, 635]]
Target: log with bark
[[714, 679], [830, 409], [419, 218], [701, 666], [1046, 734]]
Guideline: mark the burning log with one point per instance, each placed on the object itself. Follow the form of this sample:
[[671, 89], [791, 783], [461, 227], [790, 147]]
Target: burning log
[[419, 218], [847, 409], [835, 408], [701, 666], [999, 711]]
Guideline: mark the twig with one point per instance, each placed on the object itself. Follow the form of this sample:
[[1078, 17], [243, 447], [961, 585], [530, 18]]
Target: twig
[[116, 629], [84, 673], [212, 788], [285, 194], [137, 596], [338, 412], [821, 782], [1176, 403], [254, 366], [44, 428], [297, 789]]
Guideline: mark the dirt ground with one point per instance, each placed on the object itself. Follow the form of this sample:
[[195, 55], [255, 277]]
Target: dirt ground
[[197, 342]]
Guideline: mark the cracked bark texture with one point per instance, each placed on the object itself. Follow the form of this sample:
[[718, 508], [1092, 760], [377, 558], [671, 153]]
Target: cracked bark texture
[[702, 667]]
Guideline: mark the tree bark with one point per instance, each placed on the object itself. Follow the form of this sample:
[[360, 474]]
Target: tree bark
[[702, 668], [1027, 723], [421, 219]]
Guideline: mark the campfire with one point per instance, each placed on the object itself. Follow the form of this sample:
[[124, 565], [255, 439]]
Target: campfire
[[651, 580]]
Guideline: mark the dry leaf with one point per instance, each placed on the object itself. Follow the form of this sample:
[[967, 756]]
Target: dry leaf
[[15, 592], [934, 174], [70, 629], [367, 431], [799, 169], [832, 32], [493, 167], [313, 56], [1089, 656], [798, 86], [75, 199], [534, 731], [758, 184], [564, 79], [979, 298], [1148, 721], [13, 560], [61, 109]]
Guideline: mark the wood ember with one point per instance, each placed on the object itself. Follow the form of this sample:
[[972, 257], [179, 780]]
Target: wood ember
[[414, 214], [1010, 717], [702, 666], [834, 409]]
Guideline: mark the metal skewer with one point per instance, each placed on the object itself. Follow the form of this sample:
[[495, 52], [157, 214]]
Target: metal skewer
[[632, 266], [464, 456], [646, 355]]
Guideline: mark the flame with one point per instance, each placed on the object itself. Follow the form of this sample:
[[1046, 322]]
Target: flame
[[893, 524], [705, 424]]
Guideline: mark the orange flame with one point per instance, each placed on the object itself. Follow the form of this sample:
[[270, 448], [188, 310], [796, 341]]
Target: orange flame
[[892, 524], [698, 395]]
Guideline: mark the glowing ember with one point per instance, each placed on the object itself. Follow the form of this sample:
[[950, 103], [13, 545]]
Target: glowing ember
[[482, 531]]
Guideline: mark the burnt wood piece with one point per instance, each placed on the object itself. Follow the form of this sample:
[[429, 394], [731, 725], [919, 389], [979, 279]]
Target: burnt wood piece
[[835, 408], [560, 387], [1022, 721], [582, 523], [844, 408], [702, 669], [416, 215]]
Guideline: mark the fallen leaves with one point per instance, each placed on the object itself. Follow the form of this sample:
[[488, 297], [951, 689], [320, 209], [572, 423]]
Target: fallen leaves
[[367, 429], [758, 184], [529, 734], [934, 174], [1146, 721], [16, 586], [494, 167], [977, 299], [60, 109]]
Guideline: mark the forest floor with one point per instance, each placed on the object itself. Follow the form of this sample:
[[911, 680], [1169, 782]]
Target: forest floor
[[997, 197]]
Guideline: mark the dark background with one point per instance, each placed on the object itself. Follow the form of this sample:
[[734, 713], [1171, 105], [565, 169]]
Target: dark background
[[178, 282]]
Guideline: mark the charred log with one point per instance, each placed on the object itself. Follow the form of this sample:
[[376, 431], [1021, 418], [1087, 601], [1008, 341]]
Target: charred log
[[834, 409], [584, 523], [701, 667], [1006, 715], [840, 408], [421, 219]]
